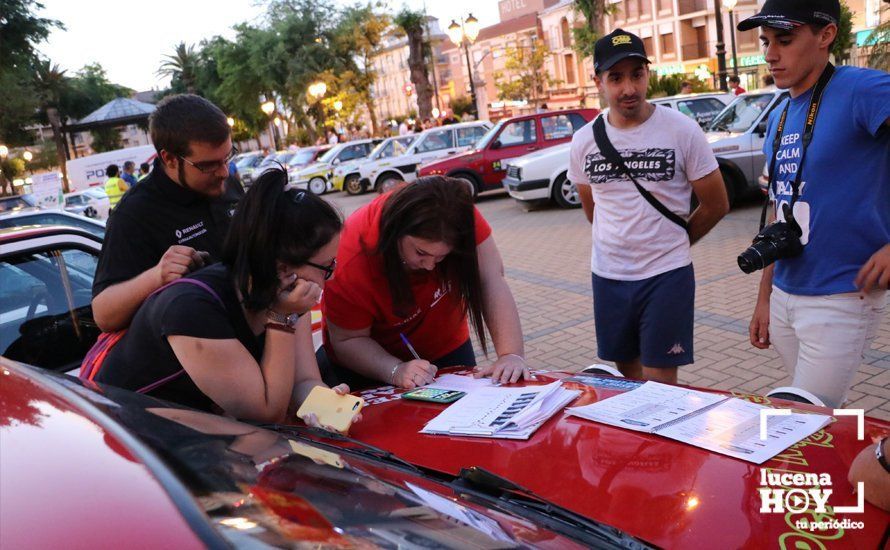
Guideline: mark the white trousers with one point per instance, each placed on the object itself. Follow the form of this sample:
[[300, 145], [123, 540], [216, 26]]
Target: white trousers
[[822, 339]]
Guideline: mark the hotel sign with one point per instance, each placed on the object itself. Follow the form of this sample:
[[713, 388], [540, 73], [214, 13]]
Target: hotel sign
[[511, 9]]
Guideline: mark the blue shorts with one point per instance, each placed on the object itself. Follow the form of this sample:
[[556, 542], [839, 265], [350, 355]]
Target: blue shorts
[[651, 319]]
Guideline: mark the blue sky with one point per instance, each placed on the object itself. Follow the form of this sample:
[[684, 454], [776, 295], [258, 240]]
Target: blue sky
[[129, 39]]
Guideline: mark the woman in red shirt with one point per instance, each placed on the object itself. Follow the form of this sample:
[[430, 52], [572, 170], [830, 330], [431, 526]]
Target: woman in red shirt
[[419, 262]]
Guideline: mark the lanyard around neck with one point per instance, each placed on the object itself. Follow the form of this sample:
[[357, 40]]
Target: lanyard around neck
[[809, 127]]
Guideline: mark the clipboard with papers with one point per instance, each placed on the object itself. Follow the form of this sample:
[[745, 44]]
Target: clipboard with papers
[[715, 422], [496, 412]]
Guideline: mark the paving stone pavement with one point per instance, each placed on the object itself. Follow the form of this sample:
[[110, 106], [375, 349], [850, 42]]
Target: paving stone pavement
[[546, 253]]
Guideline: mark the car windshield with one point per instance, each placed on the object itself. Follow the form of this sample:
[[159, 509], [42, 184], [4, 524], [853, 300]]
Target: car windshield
[[330, 154], [303, 156], [249, 161], [17, 203], [489, 135], [741, 114], [96, 193]]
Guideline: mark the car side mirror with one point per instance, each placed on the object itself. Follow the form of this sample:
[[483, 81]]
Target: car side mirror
[[761, 128], [497, 144], [336, 161]]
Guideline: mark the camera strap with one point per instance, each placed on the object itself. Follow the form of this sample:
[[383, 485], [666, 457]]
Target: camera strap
[[809, 127], [614, 157]]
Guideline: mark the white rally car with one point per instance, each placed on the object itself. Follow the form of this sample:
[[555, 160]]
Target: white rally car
[[431, 144], [541, 176]]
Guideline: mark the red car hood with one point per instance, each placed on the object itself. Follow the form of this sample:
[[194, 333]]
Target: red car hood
[[667, 493]]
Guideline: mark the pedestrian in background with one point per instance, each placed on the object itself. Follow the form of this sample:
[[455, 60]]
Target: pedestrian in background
[[637, 167], [115, 187], [735, 84], [144, 169], [129, 173]]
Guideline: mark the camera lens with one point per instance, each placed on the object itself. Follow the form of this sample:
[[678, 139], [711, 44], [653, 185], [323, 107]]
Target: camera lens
[[750, 260]]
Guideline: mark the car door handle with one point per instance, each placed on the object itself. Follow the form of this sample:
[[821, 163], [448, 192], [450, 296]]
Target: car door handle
[[532, 148]]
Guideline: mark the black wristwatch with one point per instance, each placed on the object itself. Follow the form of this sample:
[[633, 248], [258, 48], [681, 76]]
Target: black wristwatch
[[879, 454]]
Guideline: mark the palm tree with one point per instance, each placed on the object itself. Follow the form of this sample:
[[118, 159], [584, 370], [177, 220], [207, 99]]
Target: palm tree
[[411, 24], [182, 65], [51, 81]]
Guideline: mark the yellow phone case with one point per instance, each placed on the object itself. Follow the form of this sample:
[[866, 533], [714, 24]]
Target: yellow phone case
[[332, 409]]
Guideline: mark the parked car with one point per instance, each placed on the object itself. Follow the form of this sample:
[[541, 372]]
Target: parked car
[[541, 176], [46, 318], [27, 218], [91, 203], [272, 160], [736, 136], [17, 203], [318, 176], [100, 467], [247, 163], [354, 177], [701, 107], [670, 494], [484, 165], [430, 145]]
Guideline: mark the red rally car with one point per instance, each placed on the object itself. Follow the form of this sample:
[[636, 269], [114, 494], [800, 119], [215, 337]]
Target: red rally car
[[485, 164]]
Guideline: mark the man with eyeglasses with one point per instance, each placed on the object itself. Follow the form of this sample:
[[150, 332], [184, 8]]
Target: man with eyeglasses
[[175, 220]]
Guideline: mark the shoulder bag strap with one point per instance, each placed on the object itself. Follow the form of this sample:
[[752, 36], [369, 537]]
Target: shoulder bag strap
[[611, 154]]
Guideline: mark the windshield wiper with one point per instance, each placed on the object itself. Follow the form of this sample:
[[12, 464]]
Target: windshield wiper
[[479, 480], [362, 448]]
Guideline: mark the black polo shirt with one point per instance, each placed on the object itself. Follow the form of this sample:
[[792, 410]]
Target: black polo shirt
[[144, 356], [153, 216]]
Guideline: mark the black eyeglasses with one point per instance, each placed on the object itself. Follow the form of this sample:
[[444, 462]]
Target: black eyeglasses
[[210, 166], [328, 269]]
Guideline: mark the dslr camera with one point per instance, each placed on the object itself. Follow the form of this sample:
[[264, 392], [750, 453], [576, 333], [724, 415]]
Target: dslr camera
[[776, 241]]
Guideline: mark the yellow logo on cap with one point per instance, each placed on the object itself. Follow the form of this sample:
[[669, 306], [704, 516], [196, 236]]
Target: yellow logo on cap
[[620, 39]]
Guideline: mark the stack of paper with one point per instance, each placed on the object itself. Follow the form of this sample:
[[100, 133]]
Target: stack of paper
[[718, 423], [509, 413]]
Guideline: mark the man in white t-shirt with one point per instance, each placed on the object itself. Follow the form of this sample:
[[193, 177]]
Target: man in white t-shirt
[[643, 282]]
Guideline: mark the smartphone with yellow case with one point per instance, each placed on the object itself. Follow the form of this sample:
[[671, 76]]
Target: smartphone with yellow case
[[331, 409]]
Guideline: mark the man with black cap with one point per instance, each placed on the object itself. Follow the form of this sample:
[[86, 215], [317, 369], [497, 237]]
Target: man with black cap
[[829, 147], [639, 166]]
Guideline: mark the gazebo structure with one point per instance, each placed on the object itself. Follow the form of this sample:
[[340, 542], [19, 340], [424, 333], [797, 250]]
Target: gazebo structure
[[117, 112]]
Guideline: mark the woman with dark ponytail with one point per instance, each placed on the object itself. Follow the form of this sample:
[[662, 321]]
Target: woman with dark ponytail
[[415, 265], [236, 337]]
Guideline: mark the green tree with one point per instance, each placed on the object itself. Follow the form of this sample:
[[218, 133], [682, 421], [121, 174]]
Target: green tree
[[51, 83], [181, 65], [21, 31], [586, 35], [525, 75], [845, 37], [106, 139], [411, 24], [359, 35], [462, 105]]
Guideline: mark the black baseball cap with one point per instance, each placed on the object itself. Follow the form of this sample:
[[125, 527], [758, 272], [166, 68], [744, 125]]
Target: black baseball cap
[[615, 46], [788, 14]]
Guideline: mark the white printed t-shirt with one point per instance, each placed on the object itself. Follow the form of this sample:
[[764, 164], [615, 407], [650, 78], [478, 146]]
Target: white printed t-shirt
[[631, 239]]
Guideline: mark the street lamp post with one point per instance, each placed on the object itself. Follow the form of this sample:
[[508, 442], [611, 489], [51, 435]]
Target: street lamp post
[[268, 107], [721, 49], [730, 6], [464, 34]]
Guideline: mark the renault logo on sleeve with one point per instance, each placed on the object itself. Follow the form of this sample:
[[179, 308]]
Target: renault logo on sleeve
[[178, 234], [620, 40]]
